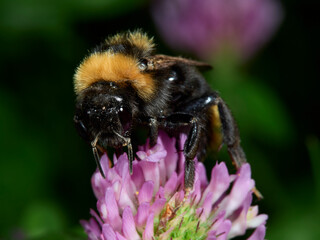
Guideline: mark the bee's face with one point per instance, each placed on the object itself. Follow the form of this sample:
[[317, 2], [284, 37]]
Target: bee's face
[[103, 111]]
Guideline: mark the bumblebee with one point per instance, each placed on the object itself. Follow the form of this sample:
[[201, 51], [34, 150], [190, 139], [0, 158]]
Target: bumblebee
[[123, 84]]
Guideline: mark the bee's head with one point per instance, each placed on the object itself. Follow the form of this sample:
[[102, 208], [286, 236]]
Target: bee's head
[[104, 110], [107, 84]]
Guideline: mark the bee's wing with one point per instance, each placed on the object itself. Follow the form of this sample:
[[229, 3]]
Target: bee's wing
[[163, 61]]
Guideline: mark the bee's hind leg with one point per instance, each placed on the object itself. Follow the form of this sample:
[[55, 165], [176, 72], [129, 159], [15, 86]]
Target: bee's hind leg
[[231, 138]]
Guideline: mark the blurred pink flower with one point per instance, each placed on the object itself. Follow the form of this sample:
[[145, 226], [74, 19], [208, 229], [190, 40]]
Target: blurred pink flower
[[151, 204], [204, 27]]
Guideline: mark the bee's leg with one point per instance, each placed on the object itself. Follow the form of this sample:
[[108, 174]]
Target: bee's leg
[[96, 154], [231, 138], [153, 125], [96, 149], [230, 132], [190, 150], [191, 146], [127, 142]]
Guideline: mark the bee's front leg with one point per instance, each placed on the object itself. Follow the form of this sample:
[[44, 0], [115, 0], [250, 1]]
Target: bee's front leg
[[153, 131]]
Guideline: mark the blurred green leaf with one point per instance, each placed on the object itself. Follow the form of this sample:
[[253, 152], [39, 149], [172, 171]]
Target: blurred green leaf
[[23, 163], [299, 222], [313, 145], [76, 233], [109, 8], [20, 16], [262, 113], [42, 217]]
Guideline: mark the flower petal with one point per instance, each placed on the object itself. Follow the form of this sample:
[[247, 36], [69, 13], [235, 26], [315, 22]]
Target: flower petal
[[148, 232], [240, 190], [201, 169], [211, 236], [122, 166], [130, 205], [142, 155], [171, 185], [92, 228], [218, 220], [219, 183], [102, 208], [137, 176], [257, 221], [239, 218], [160, 193], [108, 233], [127, 193], [151, 173], [142, 214], [104, 161], [162, 172], [171, 158], [158, 205], [156, 156], [96, 216], [181, 157], [128, 225], [120, 237], [207, 206], [196, 193], [146, 192], [259, 233], [113, 217], [221, 233], [223, 230]]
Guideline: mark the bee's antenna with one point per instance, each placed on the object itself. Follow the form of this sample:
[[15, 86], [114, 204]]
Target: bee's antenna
[[127, 142], [96, 155]]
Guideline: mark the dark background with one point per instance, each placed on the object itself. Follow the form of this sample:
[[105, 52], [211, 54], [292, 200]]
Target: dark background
[[45, 167]]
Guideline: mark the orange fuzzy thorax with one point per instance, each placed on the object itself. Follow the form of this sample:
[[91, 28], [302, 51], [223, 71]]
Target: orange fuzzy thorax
[[111, 67]]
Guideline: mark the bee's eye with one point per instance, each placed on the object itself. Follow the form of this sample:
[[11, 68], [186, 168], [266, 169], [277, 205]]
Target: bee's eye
[[143, 64]]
